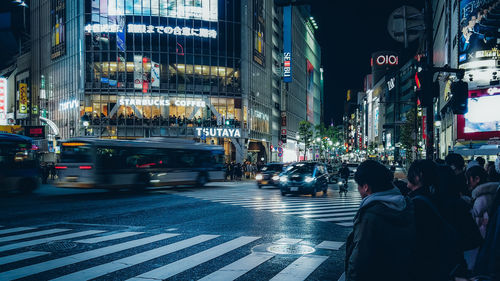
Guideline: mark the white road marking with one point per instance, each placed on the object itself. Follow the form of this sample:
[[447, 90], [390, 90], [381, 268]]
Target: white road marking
[[181, 265], [330, 245], [48, 239], [315, 211], [16, 229], [337, 219], [108, 237], [331, 206], [289, 206], [300, 269], [103, 269], [21, 256], [329, 215], [342, 277], [346, 223], [76, 258], [32, 234], [239, 267], [288, 241]]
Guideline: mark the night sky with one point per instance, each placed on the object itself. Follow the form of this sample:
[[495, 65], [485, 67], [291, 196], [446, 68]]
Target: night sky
[[349, 32]]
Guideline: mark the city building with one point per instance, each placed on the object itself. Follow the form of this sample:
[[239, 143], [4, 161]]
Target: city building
[[205, 70]]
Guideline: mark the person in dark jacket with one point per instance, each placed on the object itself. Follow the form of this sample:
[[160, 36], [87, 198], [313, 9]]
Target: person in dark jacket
[[380, 245], [457, 164]]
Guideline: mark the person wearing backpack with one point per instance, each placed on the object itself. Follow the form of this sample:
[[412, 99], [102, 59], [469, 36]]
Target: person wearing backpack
[[378, 247], [438, 253]]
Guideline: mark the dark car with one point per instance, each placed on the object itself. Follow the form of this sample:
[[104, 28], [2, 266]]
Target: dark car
[[353, 167], [304, 178], [269, 175], [333, 173]]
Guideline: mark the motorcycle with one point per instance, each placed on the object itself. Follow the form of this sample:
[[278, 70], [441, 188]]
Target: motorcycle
[[343, 186]]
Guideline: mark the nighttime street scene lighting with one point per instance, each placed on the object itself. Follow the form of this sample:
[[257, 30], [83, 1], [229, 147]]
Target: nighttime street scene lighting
[[281, 140]]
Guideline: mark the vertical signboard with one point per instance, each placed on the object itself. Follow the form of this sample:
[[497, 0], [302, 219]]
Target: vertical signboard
[[259, 55], [58, 28], [23, 98], [155, 74], [310, 91], [138, 72], [3, 101], [287, 44]]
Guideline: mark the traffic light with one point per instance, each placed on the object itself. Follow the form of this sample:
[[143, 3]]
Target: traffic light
[[460, 96], [283, 138], [426, 89]]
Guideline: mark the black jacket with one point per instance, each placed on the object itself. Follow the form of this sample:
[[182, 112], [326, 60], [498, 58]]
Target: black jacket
[[380, 245]]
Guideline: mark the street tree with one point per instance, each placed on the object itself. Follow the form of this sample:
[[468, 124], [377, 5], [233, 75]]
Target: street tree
[[306, 135], [409, 134]]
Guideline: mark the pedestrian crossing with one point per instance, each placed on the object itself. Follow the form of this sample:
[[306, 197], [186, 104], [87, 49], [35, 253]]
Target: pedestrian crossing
[[331, 208], [140, 256]]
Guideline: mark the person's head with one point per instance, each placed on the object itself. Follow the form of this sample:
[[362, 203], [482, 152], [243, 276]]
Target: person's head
[[456, 162], [493, 175], [439, 161], [481, 161], [422, 173], [372, 177], [475, 176]]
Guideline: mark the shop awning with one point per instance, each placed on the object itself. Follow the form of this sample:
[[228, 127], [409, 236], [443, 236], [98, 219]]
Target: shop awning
[[490, 149]]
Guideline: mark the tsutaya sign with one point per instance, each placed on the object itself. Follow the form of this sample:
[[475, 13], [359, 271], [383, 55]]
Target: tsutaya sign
[[161, 102], [218, 132], [152, 29]]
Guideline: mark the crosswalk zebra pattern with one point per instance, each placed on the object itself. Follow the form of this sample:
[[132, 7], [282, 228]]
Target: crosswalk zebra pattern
[[332, 208], [124, 250]]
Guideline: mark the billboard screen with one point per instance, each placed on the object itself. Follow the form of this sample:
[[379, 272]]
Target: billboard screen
[[482, 120], [287, 44], [189, 9], [58, 28], [479, 28], [259, 27]]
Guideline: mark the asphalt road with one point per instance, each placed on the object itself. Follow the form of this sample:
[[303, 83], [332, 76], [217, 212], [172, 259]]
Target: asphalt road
[[224, 231]]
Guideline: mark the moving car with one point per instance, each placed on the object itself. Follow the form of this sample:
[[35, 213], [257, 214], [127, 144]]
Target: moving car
[[269, 175], [304, 178]]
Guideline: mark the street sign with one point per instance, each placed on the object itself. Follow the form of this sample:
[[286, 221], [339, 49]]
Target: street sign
[[280, 149], [280, 143], [283, 131], [280, 154]]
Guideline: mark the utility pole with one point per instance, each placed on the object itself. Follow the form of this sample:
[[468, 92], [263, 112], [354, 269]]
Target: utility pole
[[429, 145]]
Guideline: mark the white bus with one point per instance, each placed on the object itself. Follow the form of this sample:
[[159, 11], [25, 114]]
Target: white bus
[[137, 164]]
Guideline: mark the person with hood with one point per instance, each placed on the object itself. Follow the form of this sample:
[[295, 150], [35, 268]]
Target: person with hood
[[483, 194], [457, 164], [380, 245]]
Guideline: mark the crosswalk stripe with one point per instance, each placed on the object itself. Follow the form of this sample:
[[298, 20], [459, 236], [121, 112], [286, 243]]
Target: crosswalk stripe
[[21, 256], [76, 258], [349, 218], [16, 229], [282, 203], [329, 245], [297, 205], [288, 241], [314, 211], [301, 208], [300, 269], [329, 215], [100, 270], [48, 239], [346, 223], [109, 237], [179, 266], [32, 234], [239, 267]]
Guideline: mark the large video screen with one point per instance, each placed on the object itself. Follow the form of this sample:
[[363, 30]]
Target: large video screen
[[183, 9], [483, 114], [479, 28]]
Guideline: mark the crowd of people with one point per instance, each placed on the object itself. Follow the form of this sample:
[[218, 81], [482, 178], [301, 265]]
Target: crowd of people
[[443, 225], [238, 171]]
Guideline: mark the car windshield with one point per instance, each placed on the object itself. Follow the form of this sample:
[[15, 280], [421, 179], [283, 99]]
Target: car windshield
[[301, 169], [272, 168]]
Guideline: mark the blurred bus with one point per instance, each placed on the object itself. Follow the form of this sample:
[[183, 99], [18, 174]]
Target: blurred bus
[[19, 169], [137, 164]]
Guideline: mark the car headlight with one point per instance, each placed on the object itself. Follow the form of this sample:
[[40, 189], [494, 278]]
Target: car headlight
[[283, 179], [258, 177], [341, 182], [309, 179], [276, 177]]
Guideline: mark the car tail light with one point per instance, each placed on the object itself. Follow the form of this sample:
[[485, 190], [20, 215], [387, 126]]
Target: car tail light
[[85, 167], [61, 167]]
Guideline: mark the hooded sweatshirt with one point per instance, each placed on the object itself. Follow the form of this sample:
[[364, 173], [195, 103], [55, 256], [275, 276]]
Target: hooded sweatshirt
[[378, 247], [482, 197]]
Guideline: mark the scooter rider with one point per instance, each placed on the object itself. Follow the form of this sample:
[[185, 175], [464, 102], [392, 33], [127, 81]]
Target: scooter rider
[[344, 172]]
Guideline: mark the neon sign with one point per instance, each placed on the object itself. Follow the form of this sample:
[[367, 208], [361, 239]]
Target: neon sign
[[161, 102], [218, 132], [68, 104], [152, 29], [3, 101]]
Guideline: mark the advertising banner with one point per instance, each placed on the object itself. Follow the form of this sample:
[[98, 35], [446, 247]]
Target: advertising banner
[[482, 121], [138, 72], [310, 91], [287, 44], [23, 98], [479, 30], [155, 74], [58, 28], [259, 27], [3, 101]]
